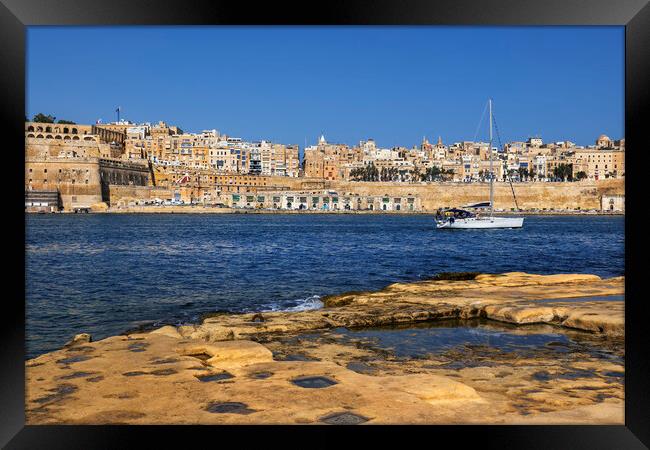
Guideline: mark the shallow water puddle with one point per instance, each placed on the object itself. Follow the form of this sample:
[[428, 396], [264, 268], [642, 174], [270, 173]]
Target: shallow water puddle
[[216, 377], [479, 342], [344, 418], [318, 382], [229, 408], [361, 367], [261, 375]]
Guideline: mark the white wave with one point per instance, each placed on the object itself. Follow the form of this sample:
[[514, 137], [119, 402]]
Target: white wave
[[305, 304]]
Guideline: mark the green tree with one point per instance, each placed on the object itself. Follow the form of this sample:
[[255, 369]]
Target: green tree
[[523, 173], [42, 118], [415, 173], [68, 122], [431, 174], [447, 174], [564, 172], [581, 175]]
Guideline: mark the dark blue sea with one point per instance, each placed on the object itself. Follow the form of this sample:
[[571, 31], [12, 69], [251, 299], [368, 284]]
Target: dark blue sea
[[105, 274]]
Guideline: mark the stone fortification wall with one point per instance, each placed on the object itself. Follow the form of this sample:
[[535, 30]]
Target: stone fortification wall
[[124, 194], [578, 195], [77, 179]]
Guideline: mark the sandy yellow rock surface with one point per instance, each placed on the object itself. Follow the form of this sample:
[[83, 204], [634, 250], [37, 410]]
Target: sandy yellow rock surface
[[215, 373]]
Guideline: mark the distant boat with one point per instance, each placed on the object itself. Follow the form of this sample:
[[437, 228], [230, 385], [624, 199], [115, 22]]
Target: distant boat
[[455, 218]]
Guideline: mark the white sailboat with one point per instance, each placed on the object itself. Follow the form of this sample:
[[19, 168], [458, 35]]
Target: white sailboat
[[461, 219]]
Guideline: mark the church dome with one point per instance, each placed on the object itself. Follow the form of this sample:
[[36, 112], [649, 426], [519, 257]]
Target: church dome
[[604, 137]]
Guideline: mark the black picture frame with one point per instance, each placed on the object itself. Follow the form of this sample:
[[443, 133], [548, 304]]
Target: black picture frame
[[16, 15]]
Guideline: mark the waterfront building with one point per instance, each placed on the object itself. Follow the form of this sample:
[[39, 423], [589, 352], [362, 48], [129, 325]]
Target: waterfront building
[[600, 163], [184, 153], [322, 201], [613, 203]]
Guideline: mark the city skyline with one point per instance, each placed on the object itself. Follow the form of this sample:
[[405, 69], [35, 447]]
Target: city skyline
[[392, 84]]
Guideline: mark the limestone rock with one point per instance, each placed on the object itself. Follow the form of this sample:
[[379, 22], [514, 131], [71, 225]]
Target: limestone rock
[[168, 330], [78, 339], [231, 353]]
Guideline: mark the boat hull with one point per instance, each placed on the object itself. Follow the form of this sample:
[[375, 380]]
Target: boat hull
[[482, 223]]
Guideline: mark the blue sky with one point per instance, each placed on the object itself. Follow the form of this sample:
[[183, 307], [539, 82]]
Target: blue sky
[[288, 84]]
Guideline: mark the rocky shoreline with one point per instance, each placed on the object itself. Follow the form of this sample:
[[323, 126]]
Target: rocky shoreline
[[306, 367]]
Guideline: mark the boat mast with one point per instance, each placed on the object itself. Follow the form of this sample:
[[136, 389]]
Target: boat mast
[[491, 171]]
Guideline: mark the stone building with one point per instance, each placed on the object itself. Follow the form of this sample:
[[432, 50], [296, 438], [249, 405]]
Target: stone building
[[79, 162], [323, 201], [613, 203], [599, 163]]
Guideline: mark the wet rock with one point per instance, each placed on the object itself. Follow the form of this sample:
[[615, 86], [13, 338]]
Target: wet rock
[[73, 359], [202, 356], [122, 395], [76, 375], [95, 379], [165, 361], [59, 393], [542, 375], [138, 347], [614, 374], [261, 375], [455, 276], [295, 357], [163, 372]]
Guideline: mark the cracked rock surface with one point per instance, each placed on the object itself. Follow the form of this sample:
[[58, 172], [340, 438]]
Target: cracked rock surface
[[311, 367]]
